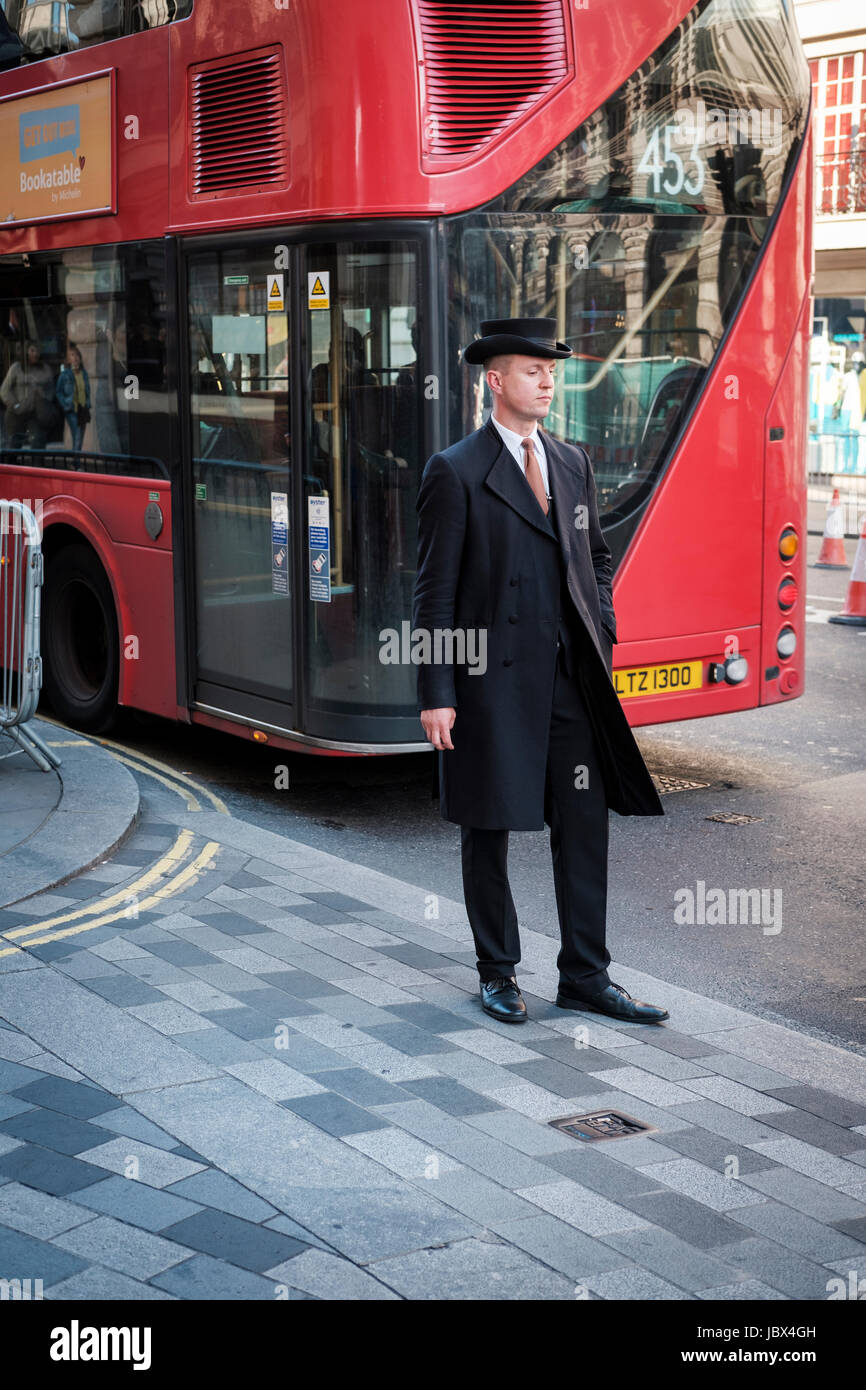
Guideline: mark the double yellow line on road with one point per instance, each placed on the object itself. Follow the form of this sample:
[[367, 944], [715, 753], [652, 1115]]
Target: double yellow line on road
[[171, 872]]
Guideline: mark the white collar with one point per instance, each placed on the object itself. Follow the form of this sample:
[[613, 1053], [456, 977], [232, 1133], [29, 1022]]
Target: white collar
[[515, 441]]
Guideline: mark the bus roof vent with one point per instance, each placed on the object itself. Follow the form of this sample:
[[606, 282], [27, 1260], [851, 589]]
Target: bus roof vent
[[238, 117], [486, 66]]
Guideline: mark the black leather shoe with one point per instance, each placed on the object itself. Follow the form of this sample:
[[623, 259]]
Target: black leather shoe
[[501, 998], [616, 1002]]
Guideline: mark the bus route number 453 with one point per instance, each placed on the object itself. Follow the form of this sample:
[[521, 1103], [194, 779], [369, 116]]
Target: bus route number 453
[[660, 158]]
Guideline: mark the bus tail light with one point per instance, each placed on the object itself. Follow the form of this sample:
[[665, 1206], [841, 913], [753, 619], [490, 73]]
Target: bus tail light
[[789, 681], [789, 543], [786, 643], [787, 594]]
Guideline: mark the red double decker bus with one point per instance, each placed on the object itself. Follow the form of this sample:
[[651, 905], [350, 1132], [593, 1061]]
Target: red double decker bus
[[241, 249]]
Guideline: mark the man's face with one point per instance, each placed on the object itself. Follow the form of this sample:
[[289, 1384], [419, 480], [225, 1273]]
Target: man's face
[[524, 385]]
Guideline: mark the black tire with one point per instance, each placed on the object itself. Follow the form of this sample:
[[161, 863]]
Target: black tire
[[80, 642]]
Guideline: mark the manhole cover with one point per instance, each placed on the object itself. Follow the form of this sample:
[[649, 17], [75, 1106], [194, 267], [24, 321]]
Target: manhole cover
[[664, 783], [733, 818], [601, 1124]]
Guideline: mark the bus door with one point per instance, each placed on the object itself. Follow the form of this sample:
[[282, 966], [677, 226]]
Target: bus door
[[239, 369], [363, 386]]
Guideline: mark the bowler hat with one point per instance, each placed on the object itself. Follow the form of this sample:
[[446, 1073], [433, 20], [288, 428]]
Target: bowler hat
[[531, 337]]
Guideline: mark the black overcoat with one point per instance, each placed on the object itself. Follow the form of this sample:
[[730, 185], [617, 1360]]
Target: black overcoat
[[482, 564]]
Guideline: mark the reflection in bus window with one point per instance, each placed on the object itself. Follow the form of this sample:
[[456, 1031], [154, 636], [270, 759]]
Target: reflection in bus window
[[33, 29], [638, 234], [108, 303]]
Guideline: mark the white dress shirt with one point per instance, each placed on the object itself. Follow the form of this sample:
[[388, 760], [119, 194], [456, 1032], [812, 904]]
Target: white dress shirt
[[514, 444]]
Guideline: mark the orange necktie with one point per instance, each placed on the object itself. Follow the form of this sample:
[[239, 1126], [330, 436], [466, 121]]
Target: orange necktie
[[533, 474]]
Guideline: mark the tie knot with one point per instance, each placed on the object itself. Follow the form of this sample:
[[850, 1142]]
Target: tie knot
[[528, 445]]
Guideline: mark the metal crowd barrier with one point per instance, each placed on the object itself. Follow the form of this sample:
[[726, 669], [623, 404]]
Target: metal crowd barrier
[[20, 661]]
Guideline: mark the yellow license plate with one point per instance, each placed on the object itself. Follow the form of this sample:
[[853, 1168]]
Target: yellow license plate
[[671, 678]]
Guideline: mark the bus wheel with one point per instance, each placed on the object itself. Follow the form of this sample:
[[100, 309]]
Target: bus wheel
[[80, 645]]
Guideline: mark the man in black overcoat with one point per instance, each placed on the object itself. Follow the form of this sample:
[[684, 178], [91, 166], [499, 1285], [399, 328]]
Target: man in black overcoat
[[515, 692]]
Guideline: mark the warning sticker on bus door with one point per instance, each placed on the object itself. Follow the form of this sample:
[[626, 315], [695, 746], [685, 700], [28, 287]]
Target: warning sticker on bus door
[[319, 547], [319, 289]]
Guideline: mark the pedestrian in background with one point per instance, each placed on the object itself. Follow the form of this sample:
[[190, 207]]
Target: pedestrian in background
[[73, 395], [28, 395]]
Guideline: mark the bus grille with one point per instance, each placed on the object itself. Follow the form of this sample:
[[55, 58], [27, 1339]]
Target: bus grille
[[486, 66], [238, 124]]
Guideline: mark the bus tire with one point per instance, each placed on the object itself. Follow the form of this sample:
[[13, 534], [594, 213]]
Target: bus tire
[[80, 642]]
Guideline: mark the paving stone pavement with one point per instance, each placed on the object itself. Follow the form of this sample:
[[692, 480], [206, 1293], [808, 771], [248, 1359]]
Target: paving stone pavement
[[281, 1085]]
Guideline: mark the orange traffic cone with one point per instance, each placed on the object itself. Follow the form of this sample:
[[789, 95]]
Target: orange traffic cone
[[854, 611], [831, 556]]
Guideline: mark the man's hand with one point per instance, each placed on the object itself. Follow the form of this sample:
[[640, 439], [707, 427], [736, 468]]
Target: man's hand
[[437, 723]]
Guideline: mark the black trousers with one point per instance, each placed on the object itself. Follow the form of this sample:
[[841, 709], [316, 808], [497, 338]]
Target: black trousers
[[577, 814]]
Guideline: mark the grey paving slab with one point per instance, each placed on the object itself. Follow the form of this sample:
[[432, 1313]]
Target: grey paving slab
[[334, 1113], [141, 1162], [276, 1079], [214, 1189], [447, 1094], [402, 1153], [228, 1237], [693, 1222], [13, 1105], [714, 1151], [694, 1179], [634, 1284], [559, 1078], [327, 1276], [520, 1132], [17, 1047], [128, 1122], [592, 1167], [113, 1244], [219, 1046], [62, 1133], [38, 1213], [485, 1154], [708, 1114], [388, 1062], [778, 1265], [813, 1162], [276, 1004], [97, 1285], [812, 1129], [124, 990], [801, 1233], [119, 1052], [580, 1207], [24, 1257], [358, 1085], [51, 1172], [69, 1097], [751, 1290], [136, 1203], [805, 1195], [206, 1278], [342, 1195], [682, 1264], [558, 1244], [750, 1073], [470, 1270], [839, 1110]]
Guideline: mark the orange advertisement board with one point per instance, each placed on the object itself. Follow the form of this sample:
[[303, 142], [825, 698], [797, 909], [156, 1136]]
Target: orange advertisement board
[[57, 152]]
